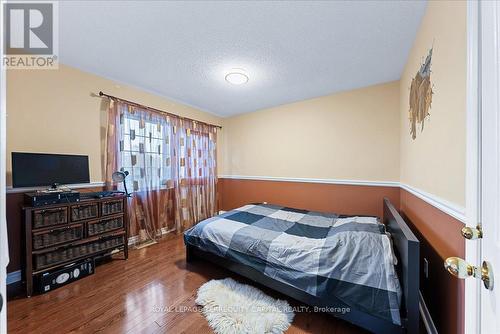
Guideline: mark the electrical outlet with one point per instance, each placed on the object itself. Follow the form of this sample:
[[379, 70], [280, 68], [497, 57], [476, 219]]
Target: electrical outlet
[[426, 268]]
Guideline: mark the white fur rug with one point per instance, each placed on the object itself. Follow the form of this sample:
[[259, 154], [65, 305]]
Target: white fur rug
[[233, 308]]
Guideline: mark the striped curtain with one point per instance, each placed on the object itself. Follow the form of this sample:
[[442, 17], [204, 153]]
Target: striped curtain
[[172, 168]]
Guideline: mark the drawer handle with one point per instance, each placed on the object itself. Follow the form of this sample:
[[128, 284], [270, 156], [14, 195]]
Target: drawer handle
[[46, 212], [60, 229]]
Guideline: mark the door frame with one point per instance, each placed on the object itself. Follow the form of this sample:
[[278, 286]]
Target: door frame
[[472, 297], [4, 257], [474, 138]]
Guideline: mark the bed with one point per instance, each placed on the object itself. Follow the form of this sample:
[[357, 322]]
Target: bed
[[357, 268]]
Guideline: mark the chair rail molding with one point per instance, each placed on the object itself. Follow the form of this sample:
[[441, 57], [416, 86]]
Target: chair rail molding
[[313, 180]]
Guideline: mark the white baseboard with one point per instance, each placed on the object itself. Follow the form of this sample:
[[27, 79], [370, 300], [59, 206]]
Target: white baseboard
[[14, 277], [135, 239]]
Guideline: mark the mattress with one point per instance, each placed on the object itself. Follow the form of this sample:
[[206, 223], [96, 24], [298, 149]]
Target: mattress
[[322, 254]]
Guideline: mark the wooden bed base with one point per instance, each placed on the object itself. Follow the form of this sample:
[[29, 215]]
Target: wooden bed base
[[406, 247]]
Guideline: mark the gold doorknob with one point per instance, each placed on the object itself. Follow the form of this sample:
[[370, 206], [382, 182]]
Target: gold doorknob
[[487, 275], [458, 267], [461, 269], [472, 233]]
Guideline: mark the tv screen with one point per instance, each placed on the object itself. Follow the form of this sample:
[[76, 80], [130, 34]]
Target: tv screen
[[40, 169]]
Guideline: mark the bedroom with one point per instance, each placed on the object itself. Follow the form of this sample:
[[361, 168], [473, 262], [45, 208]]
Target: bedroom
[[322, 161]]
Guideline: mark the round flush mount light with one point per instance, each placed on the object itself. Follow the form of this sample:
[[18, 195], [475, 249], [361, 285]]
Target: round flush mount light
[[237, 76]]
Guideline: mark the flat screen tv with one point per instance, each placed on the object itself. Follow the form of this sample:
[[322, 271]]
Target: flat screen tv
[[41, 169]]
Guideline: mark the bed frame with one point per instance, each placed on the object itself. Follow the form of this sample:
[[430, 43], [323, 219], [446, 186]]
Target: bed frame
[[406, 246]]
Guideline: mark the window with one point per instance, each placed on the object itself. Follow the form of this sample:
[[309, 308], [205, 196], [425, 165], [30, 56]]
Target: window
[[162, 151], [145, 152]]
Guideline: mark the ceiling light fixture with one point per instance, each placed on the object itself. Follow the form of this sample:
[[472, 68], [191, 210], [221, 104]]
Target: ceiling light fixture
[[237, 76]]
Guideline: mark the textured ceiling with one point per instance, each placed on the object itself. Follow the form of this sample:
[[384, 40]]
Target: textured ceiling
[[291, 50]]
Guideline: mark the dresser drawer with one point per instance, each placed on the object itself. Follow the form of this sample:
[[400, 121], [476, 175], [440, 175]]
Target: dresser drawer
[[62, 255], [84, 211], [111, 207], [50, 217], [104, 225], [57, 236]]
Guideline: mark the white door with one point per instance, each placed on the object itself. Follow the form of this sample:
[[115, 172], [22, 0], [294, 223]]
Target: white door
[[4, 254], [490, 161]]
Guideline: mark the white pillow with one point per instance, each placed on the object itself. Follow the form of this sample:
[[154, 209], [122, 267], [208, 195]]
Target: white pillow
[[356, 219]]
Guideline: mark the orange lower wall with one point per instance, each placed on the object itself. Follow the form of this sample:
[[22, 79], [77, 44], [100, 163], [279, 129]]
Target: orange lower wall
[[440, 237], [343, 199]]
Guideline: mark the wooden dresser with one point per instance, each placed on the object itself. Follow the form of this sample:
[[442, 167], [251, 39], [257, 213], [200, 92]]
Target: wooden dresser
[[60, 234]]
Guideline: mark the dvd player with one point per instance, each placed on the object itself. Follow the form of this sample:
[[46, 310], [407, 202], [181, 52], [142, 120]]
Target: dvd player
[[36, 199]]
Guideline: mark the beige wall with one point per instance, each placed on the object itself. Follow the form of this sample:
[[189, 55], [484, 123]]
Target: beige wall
[[53, 111], [435, 160], [349, 135]]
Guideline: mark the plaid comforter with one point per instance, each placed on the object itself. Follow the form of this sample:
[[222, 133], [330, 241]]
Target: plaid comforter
[[322, 254]]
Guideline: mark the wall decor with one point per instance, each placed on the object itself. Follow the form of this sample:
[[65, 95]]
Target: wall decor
[[420, 96]]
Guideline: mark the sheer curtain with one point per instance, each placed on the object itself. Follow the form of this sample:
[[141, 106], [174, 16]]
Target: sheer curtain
[[172, 166], [197, 173]]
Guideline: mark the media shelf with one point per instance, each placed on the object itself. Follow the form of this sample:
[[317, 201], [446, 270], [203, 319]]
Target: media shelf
[[60, 234]]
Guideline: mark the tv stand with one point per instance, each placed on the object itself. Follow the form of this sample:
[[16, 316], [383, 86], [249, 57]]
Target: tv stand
[[60, 234]]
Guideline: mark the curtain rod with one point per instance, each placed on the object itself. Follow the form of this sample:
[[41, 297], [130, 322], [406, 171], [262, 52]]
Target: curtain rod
[[101, 94]]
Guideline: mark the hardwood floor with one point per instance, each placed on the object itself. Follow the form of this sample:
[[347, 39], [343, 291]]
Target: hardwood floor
[[133, 297]]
